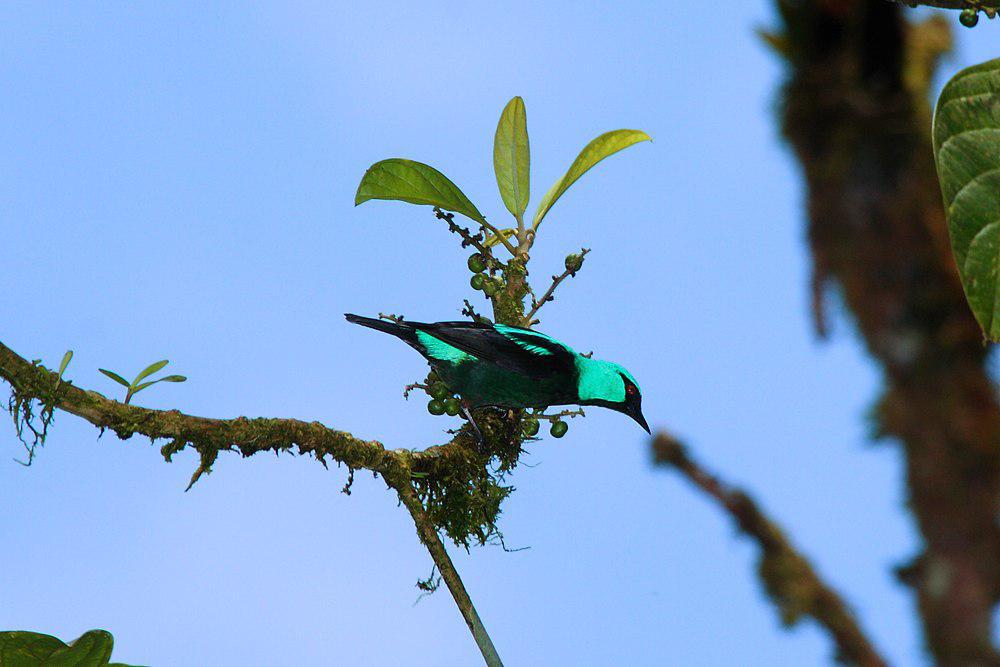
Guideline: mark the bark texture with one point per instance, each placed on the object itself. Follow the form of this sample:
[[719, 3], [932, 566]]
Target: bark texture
[[855, 110]]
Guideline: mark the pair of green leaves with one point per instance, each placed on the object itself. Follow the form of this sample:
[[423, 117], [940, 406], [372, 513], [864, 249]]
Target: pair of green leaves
[[967, 150], [33, 649], [137, 385], [417, 183]]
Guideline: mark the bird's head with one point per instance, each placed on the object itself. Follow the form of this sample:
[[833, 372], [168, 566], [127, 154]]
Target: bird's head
[[609, 385]]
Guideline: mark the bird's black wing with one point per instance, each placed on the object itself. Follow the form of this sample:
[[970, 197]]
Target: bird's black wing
[[517, 350]]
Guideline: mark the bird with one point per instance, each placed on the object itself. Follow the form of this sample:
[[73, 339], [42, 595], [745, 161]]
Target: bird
[[498, 365]]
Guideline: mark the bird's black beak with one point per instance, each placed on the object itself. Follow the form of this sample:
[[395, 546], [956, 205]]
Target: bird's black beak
[[637, 416]]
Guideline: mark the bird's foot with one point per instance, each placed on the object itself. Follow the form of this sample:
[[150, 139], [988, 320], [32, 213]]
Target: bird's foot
[[467, 411]]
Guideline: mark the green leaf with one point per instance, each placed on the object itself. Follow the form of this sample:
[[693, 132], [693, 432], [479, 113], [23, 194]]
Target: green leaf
[[117, 378], [65, 362], [169, 378], [33, 649], [149, 370], [967, 150], [493, 239], [607, 144], [512, 158], [416, 183], [22, 649]]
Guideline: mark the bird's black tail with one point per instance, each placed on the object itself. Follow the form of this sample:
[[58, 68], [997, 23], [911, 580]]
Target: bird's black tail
[[403, 331]]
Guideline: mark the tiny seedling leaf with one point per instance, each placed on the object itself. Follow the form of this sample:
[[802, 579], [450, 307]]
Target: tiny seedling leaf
[[607, 144], [512, 158], [114, 376], [416, 183], [65, 362], [173, 378], [149, 370]]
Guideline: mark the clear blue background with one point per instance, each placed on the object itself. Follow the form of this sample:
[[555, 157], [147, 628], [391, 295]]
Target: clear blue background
[[177, 181]]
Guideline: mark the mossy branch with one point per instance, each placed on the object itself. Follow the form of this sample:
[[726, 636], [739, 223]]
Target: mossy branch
[[453, 462], [788, 577]]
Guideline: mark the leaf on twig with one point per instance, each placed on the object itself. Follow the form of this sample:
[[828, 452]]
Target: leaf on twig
[[149, 370], [414, 182], [114, 376], [607, 144], [967, 151], [512, 158]]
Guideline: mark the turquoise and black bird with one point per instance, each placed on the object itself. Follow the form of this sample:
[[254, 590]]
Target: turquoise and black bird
[[512, 367]]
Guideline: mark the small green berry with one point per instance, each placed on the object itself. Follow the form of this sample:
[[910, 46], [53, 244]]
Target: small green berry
[[477, 264], [559, 429], [531, 427], [436, 407], [574, 263], [452, 406], [478, 281], [491, 287], [969, 17], [439, 391]]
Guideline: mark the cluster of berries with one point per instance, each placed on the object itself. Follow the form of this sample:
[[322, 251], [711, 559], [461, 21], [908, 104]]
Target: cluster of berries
[[480, 280], [444, 402]]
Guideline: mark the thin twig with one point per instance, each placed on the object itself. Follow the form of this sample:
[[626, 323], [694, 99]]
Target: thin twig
[[536, 304], [470, 311], [559, 415], [410, 387], [431, 540], [474, 240], [500, 237], [788, 577]]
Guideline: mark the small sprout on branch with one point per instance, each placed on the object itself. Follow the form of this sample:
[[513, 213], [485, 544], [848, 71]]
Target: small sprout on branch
[[68, 357], [137, 385]]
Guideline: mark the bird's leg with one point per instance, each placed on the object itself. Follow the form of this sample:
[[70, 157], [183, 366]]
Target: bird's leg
[[467, 411]]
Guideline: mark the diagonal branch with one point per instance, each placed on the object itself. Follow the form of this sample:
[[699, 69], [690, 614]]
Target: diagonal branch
[[430, 539], [790, 580]]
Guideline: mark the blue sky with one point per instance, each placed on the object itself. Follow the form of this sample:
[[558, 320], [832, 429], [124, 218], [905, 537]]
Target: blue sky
[[177, 181]]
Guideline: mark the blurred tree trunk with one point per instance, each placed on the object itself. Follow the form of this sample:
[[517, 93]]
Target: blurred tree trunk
[[855, 110]]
